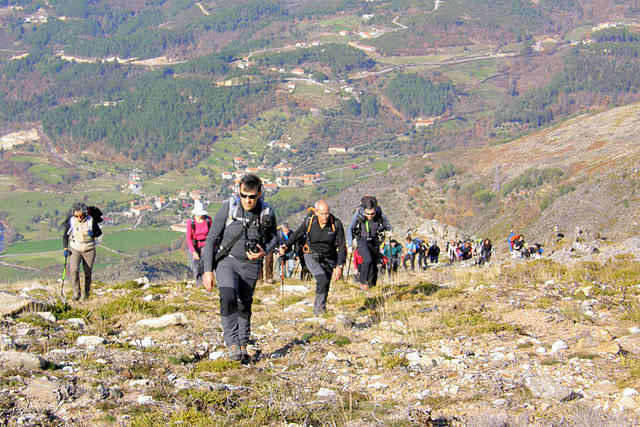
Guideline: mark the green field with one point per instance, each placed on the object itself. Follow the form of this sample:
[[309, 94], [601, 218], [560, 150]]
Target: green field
[[135, 240], [471, 72], [10, 275], [37, 246]]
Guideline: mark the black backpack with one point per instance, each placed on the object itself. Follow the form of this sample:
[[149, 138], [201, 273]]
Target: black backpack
[[95, 213]]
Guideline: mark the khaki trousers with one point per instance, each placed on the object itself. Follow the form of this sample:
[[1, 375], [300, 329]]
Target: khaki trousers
[[86, 258]]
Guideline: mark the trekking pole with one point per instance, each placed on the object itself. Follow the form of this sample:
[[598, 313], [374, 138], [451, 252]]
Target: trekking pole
[[64, 276], [282, 266], [346, 278]]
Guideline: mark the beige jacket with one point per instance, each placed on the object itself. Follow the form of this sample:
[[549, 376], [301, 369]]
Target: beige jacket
[[79, 239]]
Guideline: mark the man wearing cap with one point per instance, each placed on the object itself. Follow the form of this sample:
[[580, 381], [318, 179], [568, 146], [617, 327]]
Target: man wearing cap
[[198, 227]]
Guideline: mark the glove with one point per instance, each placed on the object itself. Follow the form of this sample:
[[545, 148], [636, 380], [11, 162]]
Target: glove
[[67, 252], [90, 233]]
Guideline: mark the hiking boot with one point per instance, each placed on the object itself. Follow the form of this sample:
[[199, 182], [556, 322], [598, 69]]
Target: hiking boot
[[269, 281], [364, 286], [245, 358], [234, 353]]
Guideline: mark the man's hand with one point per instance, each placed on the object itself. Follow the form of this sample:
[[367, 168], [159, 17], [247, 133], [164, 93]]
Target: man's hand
[[282, 250], [337, 273], [252, 256], [209, 280]]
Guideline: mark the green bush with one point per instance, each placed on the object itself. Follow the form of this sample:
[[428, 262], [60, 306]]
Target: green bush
[[445, 171], [484, 196]]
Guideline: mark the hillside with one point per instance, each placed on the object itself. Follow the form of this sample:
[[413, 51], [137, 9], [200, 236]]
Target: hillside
[[514, 343], [579, 173]]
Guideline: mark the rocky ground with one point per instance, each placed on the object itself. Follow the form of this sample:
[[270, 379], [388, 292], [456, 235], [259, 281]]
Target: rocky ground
[[534, 342]]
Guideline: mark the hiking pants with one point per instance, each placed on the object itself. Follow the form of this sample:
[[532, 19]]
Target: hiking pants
[[86, 258], [236, 281], [369, 267], [434, 259], [422, 261], [268, 268], [393, 264], [197, 267], [322, 272], [409, 257], [289, 266]]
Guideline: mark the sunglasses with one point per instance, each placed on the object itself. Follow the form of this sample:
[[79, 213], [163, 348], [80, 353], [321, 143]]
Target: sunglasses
[[248, 196]]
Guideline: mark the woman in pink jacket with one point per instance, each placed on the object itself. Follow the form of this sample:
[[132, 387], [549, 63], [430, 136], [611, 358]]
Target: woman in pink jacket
[[198, 227]]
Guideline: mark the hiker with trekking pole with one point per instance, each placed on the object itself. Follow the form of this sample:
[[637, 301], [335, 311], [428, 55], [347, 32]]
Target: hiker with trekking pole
[[81, 230], [324, 250]]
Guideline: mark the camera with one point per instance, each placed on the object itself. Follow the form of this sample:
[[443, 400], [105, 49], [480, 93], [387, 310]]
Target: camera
[[251, 245]]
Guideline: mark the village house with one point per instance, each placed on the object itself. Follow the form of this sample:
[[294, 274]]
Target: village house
[[298, 71], [134, 186], [139, 210], [227, 175], [239, 162], [424, 122], [182, 194], [159, 202], [282, 168], [271, 187], [38, 18], [337, 150]]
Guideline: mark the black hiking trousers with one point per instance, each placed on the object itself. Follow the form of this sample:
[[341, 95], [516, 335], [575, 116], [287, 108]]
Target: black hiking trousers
[[370, 254]]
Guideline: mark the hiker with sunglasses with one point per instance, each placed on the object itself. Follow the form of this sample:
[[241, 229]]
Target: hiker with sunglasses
[[243, 232], [367, 231]]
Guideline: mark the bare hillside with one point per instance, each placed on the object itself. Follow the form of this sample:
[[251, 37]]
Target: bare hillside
[[584, 172]]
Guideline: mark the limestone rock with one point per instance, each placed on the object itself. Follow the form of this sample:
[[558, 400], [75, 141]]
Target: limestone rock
[[46, 315], [608, 348], [547, 388], [21, 360], [173, 319], [77, 323], [604, 387], [42, 393], [630, 343], [89, 341], [11, 304], [296, 289], [559, 346], [325, 393]]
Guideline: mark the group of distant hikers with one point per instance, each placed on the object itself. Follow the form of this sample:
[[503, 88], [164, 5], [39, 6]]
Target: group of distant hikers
[[229, 250], [519, 248]]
